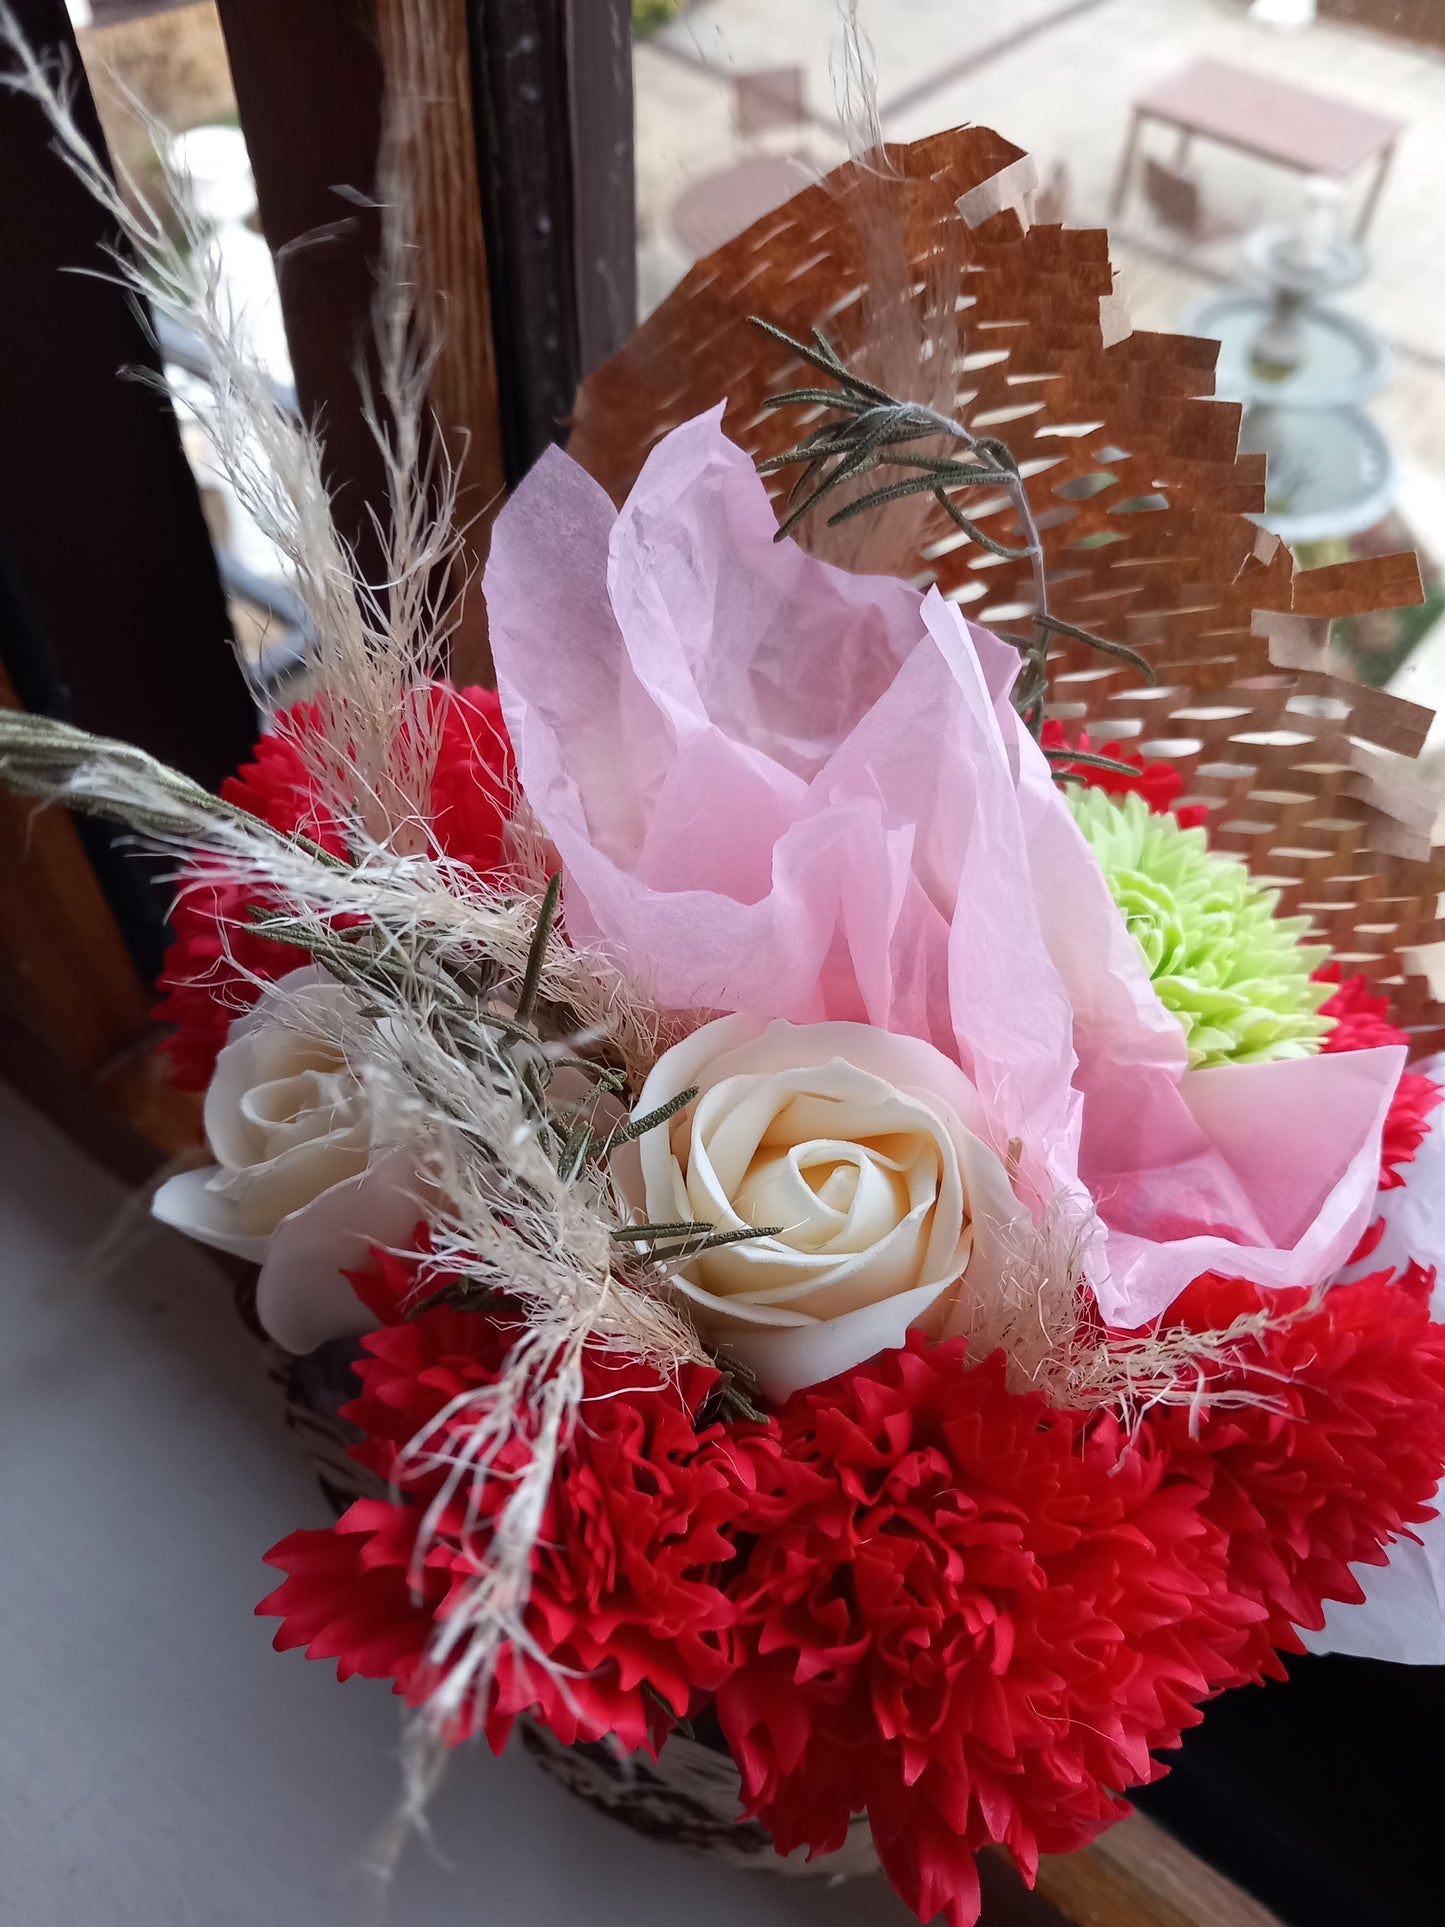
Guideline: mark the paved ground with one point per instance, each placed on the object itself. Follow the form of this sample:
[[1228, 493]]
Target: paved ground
[[1057, 76]]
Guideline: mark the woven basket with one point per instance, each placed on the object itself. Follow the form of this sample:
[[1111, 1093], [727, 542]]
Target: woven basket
[[690, 1797]]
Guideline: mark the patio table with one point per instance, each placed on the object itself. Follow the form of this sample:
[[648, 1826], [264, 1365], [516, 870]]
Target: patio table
[[1275, 120]]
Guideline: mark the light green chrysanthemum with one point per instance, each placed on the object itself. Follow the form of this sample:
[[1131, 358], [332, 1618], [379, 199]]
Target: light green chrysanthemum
[[1235, 975]]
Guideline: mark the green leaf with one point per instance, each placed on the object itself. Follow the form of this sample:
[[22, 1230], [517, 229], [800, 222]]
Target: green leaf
[[455, 1293], [636, 1126], [823, 358], [644, 1233], [845, 471], [1090, 760], [1119, 649], [717, 1239], [690, 1239], [537, 954], [1000, 451], [734, 1402], [948, 468], [605, 1078], [894, 492], [812, 397], [976, 534]]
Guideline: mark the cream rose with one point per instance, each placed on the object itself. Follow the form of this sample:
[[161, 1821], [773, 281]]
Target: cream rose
[[865, 1148], [304, 1181]]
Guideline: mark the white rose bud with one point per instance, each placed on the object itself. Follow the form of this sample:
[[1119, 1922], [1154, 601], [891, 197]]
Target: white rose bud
[[865, 1148], [304, 1182]]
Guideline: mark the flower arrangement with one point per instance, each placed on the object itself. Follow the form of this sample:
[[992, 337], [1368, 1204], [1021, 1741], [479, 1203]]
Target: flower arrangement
[[837, 1186], [996, 1305]]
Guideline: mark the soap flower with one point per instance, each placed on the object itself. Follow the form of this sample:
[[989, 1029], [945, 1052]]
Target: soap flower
[[308, 1174], [1360, 1020], [860, 1156], [627, 1616]]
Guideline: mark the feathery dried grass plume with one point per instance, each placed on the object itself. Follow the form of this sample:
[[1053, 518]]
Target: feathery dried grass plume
[[1043, 1318], [448, 973], [525, 1203]]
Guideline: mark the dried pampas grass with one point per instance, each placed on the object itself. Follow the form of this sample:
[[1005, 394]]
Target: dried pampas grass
[[446, 969], [443, 952]]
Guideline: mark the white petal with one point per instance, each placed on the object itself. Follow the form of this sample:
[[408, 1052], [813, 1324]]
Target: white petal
[[189, 1203], [303, 1104], [676, 1069], [824, 1192], [994, 1211], [266, 1193], [302, 1298], [861, 1145], [266, 1043], [277, 996], [766, 1271]]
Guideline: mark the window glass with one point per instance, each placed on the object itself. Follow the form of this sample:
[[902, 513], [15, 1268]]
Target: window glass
[[162, 86], [1269, 170]]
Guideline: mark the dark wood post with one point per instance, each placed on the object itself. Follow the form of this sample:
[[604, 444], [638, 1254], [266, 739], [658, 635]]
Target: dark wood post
[[99, 517], [552, 95]]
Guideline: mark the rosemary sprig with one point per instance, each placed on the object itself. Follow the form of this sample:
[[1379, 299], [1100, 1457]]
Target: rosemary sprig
[[1091, 760], [572, 1160], [605, 1076], [867, 431], [646, 1233], [730, 1399], [674, 1722], [537, 949], [685, 1239], [1119, 650], [635, 1127], [456, 1296]]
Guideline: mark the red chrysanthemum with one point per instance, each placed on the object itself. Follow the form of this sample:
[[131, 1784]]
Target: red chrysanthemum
[[626, 1599], [1362, 1021], [205, 980], [1342, 1453], [1158, 783], [970, 1614]]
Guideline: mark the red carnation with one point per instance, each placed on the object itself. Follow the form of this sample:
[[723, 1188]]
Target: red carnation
[[213, 947], [625, 1594], [1362, 1022], [1343, 1452], [1158, 783], [970, 1614]]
